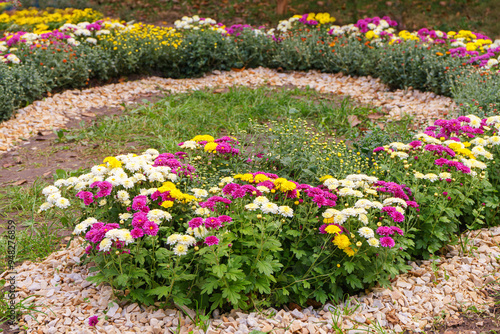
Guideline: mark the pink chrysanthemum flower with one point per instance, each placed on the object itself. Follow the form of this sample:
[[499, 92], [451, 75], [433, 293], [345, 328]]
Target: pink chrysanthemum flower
[[211, 240]]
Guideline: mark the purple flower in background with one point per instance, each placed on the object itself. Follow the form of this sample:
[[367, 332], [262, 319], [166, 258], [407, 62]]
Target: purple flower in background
[[93, 320], [211, 240], [387, 242]]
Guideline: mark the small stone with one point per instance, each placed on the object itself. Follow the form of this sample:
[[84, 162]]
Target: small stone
[[459, 297], [297, 314]]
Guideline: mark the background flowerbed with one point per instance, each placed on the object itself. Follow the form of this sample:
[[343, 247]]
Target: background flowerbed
[[84, 46], [255, 220]]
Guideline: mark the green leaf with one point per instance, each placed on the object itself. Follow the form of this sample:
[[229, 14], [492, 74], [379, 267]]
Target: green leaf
[[264, 267], [349, 267], [219, 270], [210, 285], [122, 280], [161, 291]]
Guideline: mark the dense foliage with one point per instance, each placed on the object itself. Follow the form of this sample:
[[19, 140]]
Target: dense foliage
[[83, 47]]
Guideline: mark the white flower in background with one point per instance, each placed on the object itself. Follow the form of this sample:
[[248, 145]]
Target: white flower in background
[[81, 185], [102, 32], [190, 144], [492, 62], [366, 232], [62, 203], [214, 190], [186, 240], [73, 41], [263, 189], [105, 245], [172, 177], [13, 58], [431, 177], [252, 206], [260, 200], [363, 218], [494, 140], [200, 193], [139, 177], [59, 183], [269, 208], [173, 239], [340, 219], [180, 249], [50, 190], [202, 212], [79, 229], [445, 175], [373, 242], [91, 40], [127, 183], [156, 176], [227, 179], [285, 211], [52, 198], [45, 206], [122, 195], [392, 200], [125, 216]]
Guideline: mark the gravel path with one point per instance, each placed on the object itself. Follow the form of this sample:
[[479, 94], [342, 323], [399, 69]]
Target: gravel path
[[54, 112], [413, 301]]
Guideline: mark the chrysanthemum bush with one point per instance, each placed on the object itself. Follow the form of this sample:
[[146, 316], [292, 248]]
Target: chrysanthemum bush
[[451, 168], [158, 227]]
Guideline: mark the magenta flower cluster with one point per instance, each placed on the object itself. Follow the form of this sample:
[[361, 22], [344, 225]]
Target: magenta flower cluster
[[213, 223]]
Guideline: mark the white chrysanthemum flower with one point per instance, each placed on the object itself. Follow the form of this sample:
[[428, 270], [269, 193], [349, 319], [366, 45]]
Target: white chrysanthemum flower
[[114, 180], [200, 232], [152, 152], [363, 218], [156, 176], [79, 229], [339, 219], [494, 140], [122, 195], [202, 212], [445, 175], [252, 206], [125, 216], [331, 183], [127, 183], [400, 209], [260, 200], [173, 239], [62, 203], [200, 193], [263, 189], [392, 200], [45, 206], [269, 208], [285, 211], [400, 155], [475, 122], [102, 202], [479, 141], [366, 232], [431, 177], [399, 146], [363, 203], [81, 185], [419, 175], [91, 40], [50, 190], [347, 184], [172, 177], [53, 197], [105, 245], [214, 190], [156, 215], [139, 177], [373, 242], [133, 166], [180, 249], [59, 183], [370, 191], [187, 240], [96, 178], [227, 179], [357, 193], [190, 144]]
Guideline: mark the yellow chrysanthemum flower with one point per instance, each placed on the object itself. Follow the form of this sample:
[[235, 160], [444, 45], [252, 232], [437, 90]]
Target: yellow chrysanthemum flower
[[341, 241]]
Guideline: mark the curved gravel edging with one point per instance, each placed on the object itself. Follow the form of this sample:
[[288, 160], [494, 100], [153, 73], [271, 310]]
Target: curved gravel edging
[[54, 112], [58, 286]]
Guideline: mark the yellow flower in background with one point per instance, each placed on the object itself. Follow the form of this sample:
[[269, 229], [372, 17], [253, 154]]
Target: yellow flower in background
[[341, 241], [333, 229], [112, 162], [167, 204], [206, 138], [349, 251], [210, 147]]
